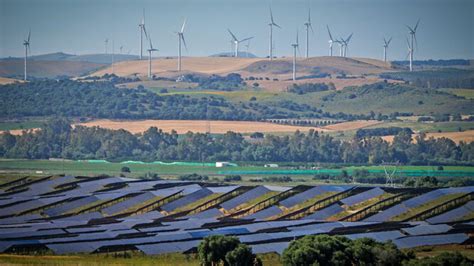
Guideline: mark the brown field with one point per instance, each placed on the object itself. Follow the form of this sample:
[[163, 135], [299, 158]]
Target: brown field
[[4, 81], [205, 65], [466, 136], [352, 125], [183, 126], [47, 69]]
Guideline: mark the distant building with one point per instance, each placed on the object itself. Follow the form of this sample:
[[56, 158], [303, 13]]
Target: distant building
[[223, 164], [271, 165]]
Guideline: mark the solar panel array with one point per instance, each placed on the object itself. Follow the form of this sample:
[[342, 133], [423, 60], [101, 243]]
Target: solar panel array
[[453, 215], [361, 197], [311, 193], [78, 220]]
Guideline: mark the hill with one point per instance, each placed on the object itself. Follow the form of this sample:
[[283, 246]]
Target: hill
[[13, 68]]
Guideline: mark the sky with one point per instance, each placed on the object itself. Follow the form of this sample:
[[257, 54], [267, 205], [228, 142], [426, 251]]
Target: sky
[[446, 30]]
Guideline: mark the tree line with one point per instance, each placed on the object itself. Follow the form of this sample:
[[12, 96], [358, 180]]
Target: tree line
[[57, 139]]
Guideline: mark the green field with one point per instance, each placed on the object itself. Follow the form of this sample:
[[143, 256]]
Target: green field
[[30, 167], [466, 93], [20, 125]]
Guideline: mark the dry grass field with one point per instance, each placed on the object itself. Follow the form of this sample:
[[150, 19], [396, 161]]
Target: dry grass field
[[352, 125], [183, 126], [160, 66], [466, 136], [4, 81]]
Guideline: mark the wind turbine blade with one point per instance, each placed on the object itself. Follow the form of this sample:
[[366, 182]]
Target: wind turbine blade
[[408, 43], [246, 39], [297, 39], [29, 35], [389, 40], [184, 24], [416, 26], [330, 36], [144, 31], [271, 16], [233, 36], [276, 25], [416, 42], [349, 38], [411, 30], [143, 18], [311, 27], [184, 42]]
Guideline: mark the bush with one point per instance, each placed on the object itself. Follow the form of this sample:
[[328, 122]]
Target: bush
[[125, 169], [217, 249]]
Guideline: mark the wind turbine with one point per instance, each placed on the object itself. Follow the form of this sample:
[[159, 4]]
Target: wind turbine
[[412, 32], [150, 51], [248, 47], [106, 44], [237, 42], [331, 41], [346, 44], [295, 47], [142, 29], [308, 26], [341, 46], [271, 24], [385, 47], [121, 47], [26, 43], [181, 38], [410, 54]]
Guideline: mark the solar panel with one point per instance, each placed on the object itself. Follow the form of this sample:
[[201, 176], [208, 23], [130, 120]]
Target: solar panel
[[378, 236], [68, 206], [30, 205], [190, 198], [431, 240], [163, 248], [265, 213], [432, 195], [223, 189], [71, 248], [361, 197], [146, 216], [128, 203], [453, 215], [387, 214], [214, 212], [325, 213], [247, 196], [311, 193], [427, 229], [278, 247]]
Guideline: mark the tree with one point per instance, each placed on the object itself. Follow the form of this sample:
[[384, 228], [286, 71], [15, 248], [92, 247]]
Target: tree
[[213, 249], [443, 259], [125, 169], [242, 256]]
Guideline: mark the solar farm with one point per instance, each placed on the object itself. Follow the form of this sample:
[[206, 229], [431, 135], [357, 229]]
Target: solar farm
[[73, 214]]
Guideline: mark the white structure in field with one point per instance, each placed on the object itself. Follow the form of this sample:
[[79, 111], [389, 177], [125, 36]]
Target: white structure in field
[[271, 165], [223, 164]]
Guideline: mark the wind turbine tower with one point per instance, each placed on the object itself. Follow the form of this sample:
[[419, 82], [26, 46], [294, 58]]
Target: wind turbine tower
[[308, 26], [412, 32], [331, 41], [237, 42], [181, 38], [26, 43], [150, 51], [295, 47], [346, 44], [271, 24], [410, 54], [385, 47]]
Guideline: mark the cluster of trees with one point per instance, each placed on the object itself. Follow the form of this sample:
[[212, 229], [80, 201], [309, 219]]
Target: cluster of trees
[[230, 82], [193, 177], [441, 78], [322, 250], [339, 250], [309, 87], [227, 251], [112, 78], [382, 131], [57, 139]]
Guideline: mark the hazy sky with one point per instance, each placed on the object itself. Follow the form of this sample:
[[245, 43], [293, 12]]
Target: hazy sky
[[80, 26]]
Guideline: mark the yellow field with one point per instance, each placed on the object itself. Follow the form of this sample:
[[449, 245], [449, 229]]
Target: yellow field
[[206, 65], [4, 81], [466, 136], [352, 125], [183, 126]]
